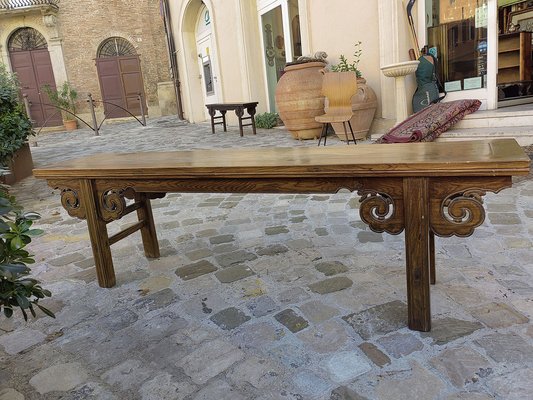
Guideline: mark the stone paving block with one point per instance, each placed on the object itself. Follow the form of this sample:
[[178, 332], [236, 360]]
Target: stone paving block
[[329, 268], [236, 257], [293, 295], [271, 250], [316, 311], [258, 372], [219, 390], [374, 354], [506, 347], [67, 259], [469, 396], [516, 286], [229, 318], [321, 231], [91, 390], [421, 384], [10, 394], [259, 335], [155, 283], [498, 315], [291, 320], [59, 378], [195, 270], [234, 273], [346, 366], [221, 239], [516, 385], [369, 237], [165, 387], [462, 365], [156, 300], [326, 337], [262, 306], [400, 344], [310, 384], [18, 341], [503, 218], [276, 230], [199, 254], [345, 393], [87, 263], [379, 320], [447, 329], [210, 359], [331, 285], [128, 374], [117, 320]]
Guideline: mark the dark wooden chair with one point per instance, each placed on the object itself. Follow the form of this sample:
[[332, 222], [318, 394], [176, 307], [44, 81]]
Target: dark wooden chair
[[338, 88]]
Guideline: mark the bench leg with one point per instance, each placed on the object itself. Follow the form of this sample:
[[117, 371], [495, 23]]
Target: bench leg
[[223, 112], [212, 113], [240, 112], [98, 235], [416, 207], [432, 269], [148, 233], [251, 111]]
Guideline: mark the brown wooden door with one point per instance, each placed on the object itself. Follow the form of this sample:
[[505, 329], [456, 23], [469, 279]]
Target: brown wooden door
[[34, 69], [120, 83]]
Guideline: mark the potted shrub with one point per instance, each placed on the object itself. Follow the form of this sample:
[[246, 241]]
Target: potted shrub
[[17, 290], [15, 129], [64, 98], [364, 103]]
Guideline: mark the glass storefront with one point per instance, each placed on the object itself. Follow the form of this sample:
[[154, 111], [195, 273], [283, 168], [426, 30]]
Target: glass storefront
[[457, 37]]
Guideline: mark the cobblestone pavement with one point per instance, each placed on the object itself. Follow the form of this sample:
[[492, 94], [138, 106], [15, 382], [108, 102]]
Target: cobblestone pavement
[[266, 296]]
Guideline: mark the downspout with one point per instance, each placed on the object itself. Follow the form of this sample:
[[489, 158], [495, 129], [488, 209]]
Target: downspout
[[174, 72]]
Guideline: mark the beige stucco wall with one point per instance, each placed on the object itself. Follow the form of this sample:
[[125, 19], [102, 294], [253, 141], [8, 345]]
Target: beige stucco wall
[[331, 26]]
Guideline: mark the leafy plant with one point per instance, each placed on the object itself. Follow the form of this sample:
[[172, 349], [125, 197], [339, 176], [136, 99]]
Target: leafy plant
[[266, 120], [15, 126], [345, 66], [17, 290], [65, 98]]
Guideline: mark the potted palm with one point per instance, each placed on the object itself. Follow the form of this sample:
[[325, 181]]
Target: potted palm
[[15, 155], [64, 98], [364, 103]]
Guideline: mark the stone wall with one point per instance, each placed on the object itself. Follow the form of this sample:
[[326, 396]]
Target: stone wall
[[84, 25]]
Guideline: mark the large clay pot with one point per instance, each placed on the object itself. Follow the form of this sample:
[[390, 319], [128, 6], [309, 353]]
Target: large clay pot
[[299, 99], [70, 124], [364, 105]]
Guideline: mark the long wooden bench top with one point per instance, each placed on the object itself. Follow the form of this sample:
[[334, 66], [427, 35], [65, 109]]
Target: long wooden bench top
[[470, 158], [422, 189]]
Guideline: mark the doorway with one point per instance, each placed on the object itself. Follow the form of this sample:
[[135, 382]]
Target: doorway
[[280, 29], [30, 60], [206, 59], [120, 77]]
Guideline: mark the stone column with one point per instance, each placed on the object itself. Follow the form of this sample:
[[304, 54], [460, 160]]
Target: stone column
[[58, 62]]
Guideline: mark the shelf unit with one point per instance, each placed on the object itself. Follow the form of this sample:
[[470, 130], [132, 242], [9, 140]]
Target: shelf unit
[[514, 57]]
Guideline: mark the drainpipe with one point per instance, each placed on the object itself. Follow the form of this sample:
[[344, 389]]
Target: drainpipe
[[172, 56]]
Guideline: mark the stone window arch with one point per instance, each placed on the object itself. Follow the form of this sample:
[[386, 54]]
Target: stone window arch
[[24, 39], [115, 47]]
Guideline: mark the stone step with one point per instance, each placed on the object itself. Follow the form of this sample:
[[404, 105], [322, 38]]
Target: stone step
[[496, 118], [522, 134]]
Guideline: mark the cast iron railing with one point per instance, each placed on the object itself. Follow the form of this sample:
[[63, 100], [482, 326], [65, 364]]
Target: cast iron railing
[[14, 4]]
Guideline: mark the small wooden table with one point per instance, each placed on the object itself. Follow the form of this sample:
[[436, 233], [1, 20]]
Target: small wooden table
[[425, 189], [239, 111]]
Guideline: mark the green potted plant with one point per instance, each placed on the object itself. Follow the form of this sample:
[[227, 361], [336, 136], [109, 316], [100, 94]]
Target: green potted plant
[[65, 99], [15, 130], [364, 103], [17, 289]]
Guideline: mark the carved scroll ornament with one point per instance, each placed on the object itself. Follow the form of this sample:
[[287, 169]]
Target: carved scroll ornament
[[459, 213], [70, 199], [381, 212], [112, 203]]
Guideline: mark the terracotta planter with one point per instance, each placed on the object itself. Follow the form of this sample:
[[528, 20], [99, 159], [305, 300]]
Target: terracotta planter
[[70, 124], [364, 105], [21, 166], [299, 99]]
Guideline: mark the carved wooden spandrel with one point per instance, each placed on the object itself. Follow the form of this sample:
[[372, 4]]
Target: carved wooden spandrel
[[382, 205], [71, 198], [456, 204]]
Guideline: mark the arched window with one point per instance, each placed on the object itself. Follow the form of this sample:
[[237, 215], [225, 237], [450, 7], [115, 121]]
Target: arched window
[[115, 47], [25, 39]]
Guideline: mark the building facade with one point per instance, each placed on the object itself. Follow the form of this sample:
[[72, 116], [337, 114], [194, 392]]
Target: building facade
[[235, 50], [113, 50]]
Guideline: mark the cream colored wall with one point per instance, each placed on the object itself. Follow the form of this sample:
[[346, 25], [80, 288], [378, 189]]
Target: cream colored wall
[[236, 42]]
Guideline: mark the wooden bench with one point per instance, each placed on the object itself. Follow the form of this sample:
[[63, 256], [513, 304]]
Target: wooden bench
[[239, 111], [424, 189]]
